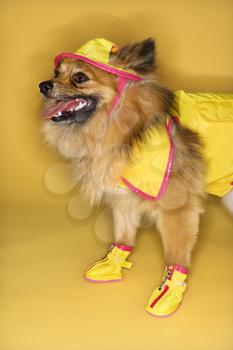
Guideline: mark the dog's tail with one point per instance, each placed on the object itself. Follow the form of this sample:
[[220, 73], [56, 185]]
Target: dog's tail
[[228, 201]]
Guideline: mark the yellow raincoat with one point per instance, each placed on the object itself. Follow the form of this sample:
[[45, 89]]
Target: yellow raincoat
[[211, 115]]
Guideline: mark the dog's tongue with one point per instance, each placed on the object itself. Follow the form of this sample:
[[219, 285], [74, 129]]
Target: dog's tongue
[[61, 107]]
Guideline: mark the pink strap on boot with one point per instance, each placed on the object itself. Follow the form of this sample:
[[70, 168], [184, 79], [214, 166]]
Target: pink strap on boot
[[127, 248]]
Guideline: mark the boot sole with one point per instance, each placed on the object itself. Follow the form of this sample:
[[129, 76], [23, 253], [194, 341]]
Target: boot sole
[[101, 281], [164, 316]]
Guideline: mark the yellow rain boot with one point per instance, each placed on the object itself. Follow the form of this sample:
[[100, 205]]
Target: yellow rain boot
[[109, 268], [166, 299]]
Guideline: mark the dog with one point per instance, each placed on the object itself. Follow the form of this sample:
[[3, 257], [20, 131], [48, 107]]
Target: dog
[[102, 110]]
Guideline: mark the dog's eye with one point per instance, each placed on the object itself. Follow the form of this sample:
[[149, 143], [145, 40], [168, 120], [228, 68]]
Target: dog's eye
[[80, 78]]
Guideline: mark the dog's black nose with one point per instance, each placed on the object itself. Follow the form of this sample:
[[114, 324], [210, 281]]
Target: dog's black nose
[[45, 87]]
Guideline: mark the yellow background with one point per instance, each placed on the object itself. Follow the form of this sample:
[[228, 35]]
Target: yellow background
[[49, 235]]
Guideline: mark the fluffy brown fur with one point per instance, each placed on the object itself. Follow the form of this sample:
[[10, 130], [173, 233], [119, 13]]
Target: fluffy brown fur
[[100, 149]]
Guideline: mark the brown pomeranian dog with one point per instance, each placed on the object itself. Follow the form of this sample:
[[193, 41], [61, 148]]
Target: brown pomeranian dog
[[97, 110]]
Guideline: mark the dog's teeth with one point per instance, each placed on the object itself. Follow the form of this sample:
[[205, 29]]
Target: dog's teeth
[[80, 105]]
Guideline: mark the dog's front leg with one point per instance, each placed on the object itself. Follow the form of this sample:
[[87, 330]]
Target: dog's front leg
[[179, 230], [126, 219]]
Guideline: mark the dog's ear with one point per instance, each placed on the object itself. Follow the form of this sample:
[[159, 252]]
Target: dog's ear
[[139, 56]]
